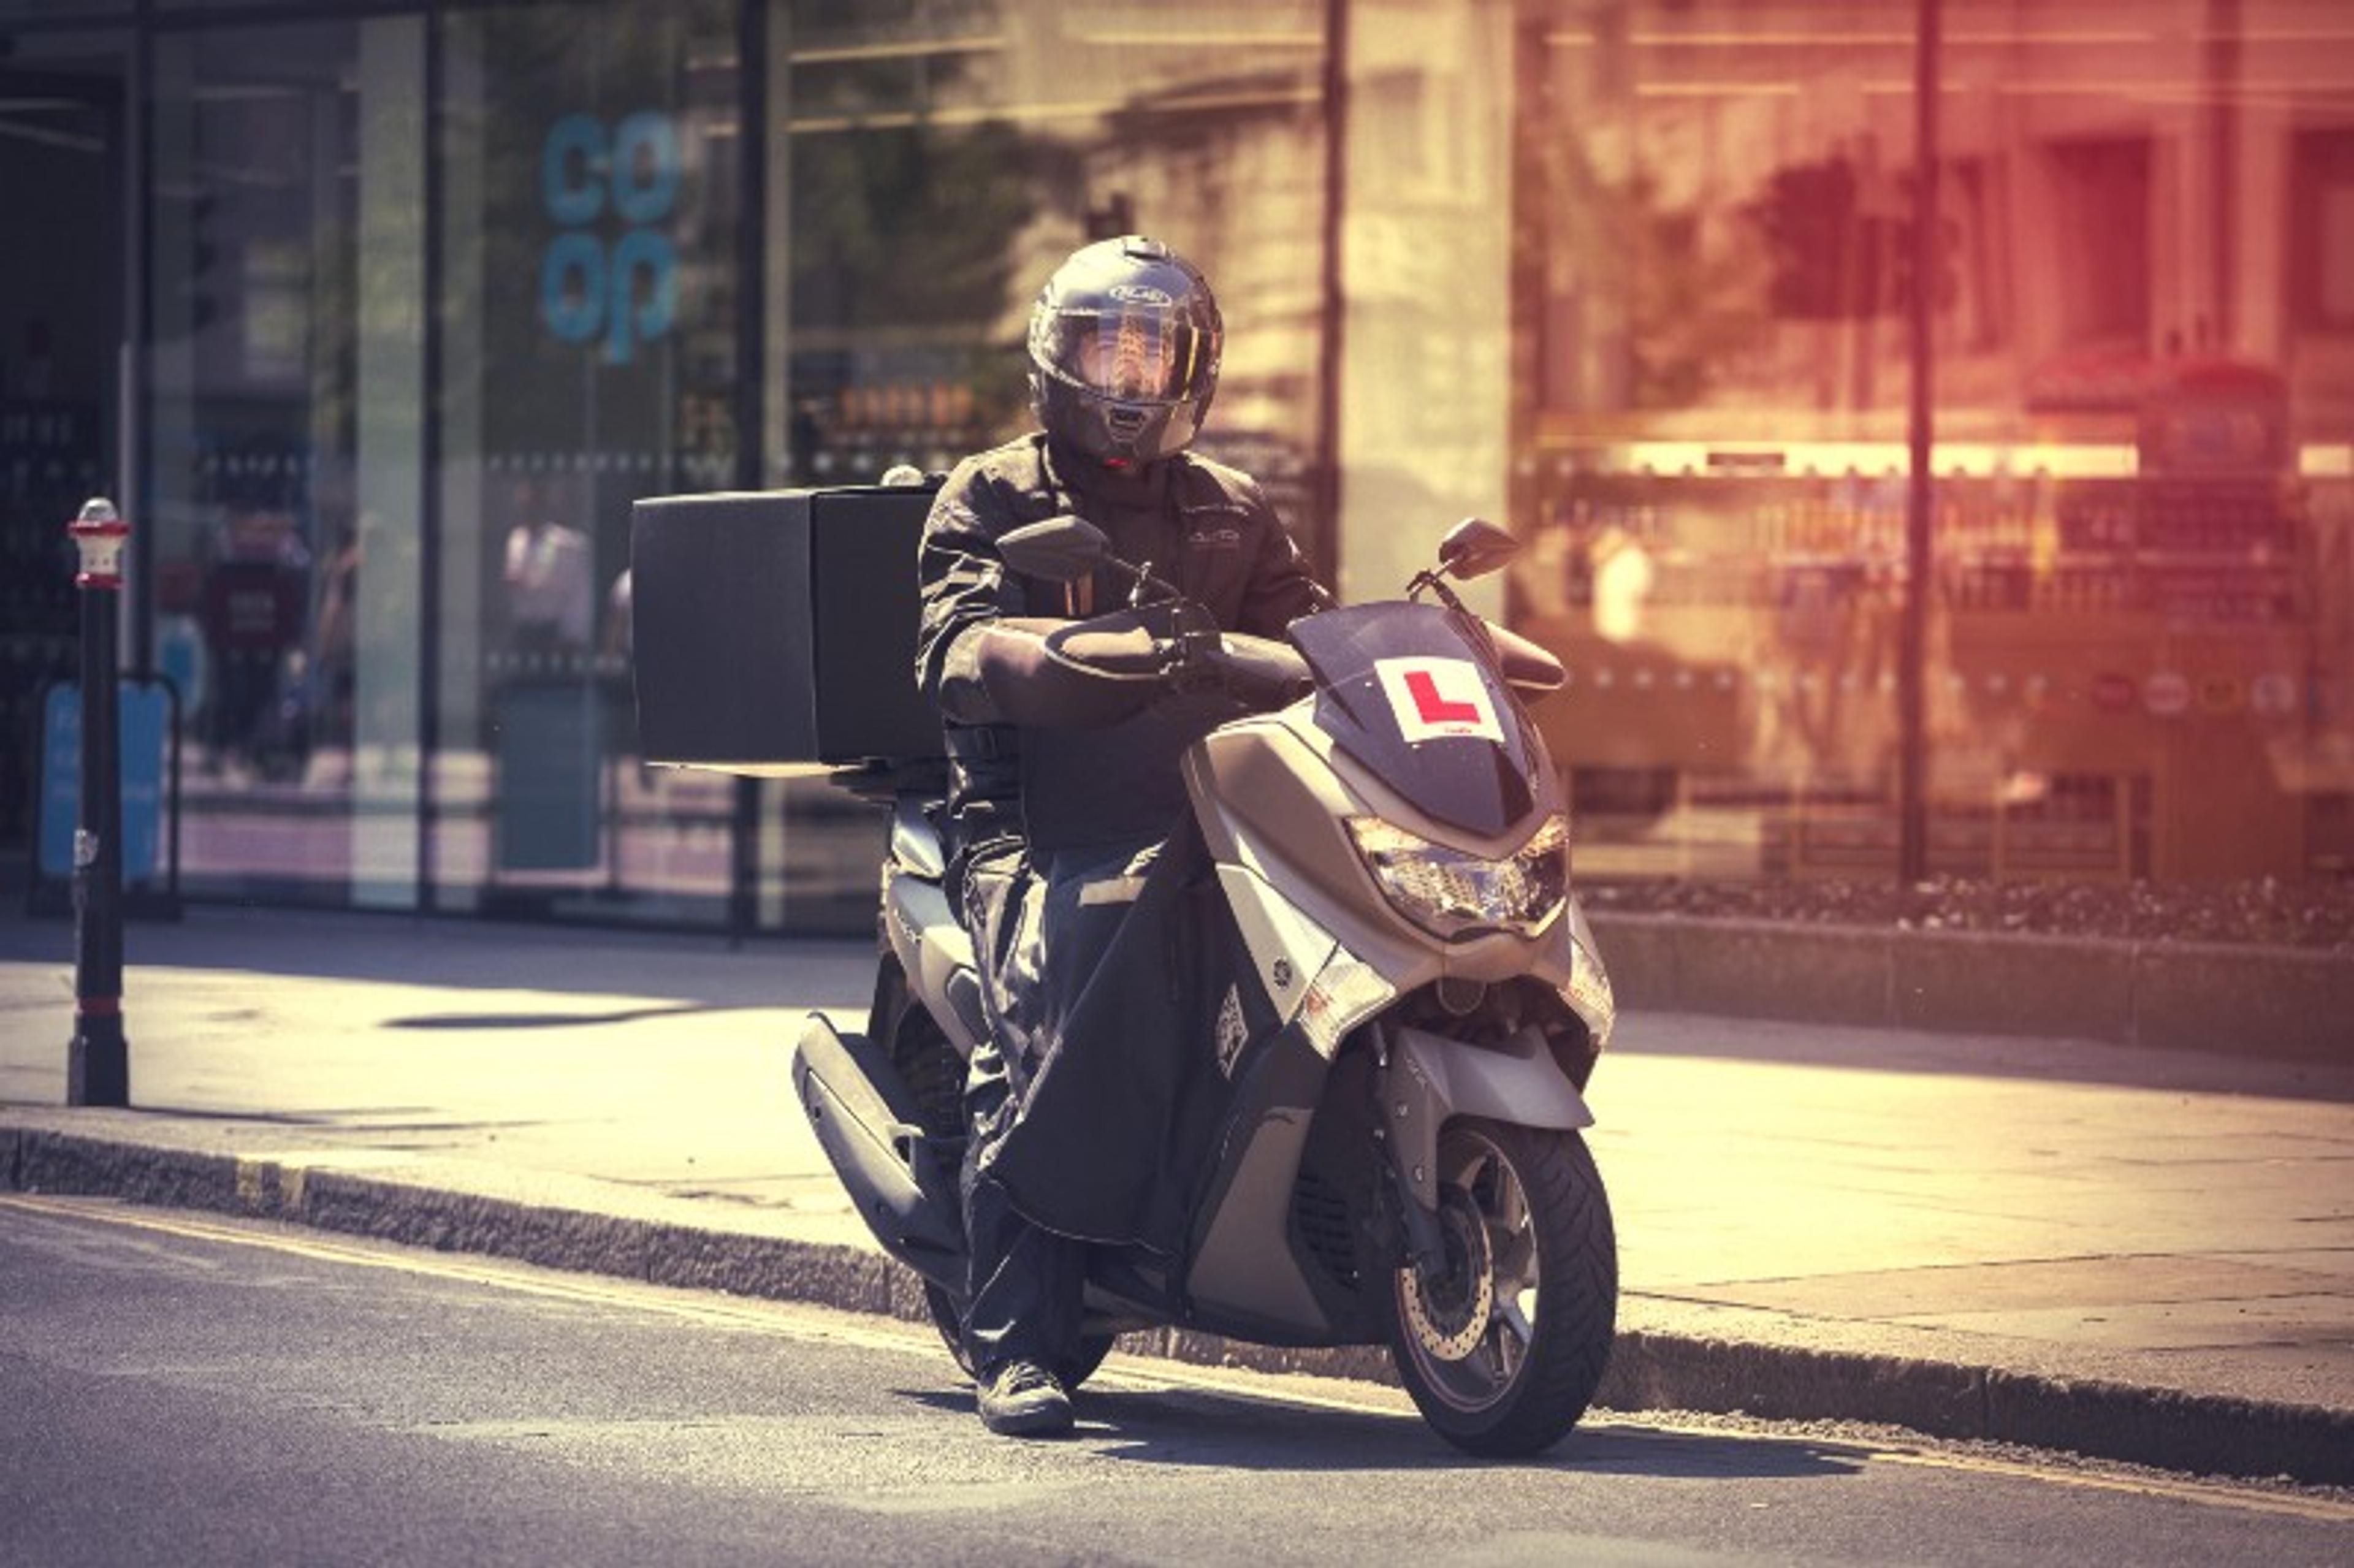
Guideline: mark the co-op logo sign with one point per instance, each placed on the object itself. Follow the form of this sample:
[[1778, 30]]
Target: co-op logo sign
[[596, 283]]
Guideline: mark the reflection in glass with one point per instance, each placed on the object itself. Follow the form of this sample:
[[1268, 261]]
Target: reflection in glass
[[61, 280], [592, 203], [942, 159], [2141, 444], [286, 436], [934, 163]]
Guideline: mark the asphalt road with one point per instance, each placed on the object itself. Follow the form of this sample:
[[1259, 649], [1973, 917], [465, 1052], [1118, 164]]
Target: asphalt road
[[193, 1390]]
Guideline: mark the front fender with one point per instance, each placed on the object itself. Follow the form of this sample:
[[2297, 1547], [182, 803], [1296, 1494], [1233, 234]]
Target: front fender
[[1432, 1078]]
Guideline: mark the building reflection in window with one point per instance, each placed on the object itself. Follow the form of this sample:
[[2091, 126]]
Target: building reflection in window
[[2139, 638]]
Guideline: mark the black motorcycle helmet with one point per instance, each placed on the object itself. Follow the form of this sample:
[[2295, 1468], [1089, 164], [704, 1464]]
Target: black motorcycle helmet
[[1124, 345]]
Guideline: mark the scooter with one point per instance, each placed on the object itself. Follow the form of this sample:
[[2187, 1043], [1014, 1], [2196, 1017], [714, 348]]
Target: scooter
[[1391, 1150]]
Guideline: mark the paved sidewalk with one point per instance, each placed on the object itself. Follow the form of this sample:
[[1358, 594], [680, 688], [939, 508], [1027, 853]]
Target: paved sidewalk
[[2146, 1255]]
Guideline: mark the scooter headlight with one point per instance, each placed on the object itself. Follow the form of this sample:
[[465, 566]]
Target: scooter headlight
[[1450, 894]]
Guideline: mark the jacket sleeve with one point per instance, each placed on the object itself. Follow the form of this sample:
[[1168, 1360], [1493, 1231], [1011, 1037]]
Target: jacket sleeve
[[1282, 589], [964, 589]]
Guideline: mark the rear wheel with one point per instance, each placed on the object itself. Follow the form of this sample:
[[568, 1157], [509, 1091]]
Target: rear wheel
[[1503, 1347], [932, 1069]]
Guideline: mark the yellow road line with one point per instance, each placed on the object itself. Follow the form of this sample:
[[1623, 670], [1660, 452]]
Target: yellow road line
[[1135, 1374], [2218, 1494]]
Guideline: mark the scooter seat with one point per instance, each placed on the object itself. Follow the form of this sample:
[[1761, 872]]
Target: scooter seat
[[916, 842]]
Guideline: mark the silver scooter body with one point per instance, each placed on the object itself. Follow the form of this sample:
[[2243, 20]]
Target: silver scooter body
[[1271, 794]]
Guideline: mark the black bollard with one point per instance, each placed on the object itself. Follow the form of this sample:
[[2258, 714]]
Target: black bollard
[[98, 1063]]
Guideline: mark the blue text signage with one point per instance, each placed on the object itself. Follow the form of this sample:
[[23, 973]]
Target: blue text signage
[[625, 291]]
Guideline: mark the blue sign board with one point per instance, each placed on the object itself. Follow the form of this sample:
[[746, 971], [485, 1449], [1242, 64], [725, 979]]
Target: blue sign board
[[145, 707], [620, 290]]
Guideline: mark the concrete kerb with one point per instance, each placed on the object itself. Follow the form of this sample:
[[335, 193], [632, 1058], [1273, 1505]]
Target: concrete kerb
[[1649, 1369], [2288, 1004]]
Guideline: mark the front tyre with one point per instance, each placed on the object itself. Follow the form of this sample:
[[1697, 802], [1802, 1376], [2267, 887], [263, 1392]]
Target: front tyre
[[1504, 1348]]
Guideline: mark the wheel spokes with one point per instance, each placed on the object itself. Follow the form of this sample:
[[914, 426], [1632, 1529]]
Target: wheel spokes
[[1489, 1188], [1514, 1334], [1512, 1255]]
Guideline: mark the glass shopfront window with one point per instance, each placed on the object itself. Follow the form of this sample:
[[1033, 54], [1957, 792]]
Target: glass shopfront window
[[940, 157], [390, 563], [1636, 275], [933, 162], [2139, 642], [1426, 320], [590, 208], [61, 315], [286, 422]]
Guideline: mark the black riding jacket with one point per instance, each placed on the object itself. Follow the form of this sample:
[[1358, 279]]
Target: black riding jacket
[[1203, 527]]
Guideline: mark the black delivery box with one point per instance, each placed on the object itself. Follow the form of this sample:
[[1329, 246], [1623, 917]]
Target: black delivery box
[[773, 630]]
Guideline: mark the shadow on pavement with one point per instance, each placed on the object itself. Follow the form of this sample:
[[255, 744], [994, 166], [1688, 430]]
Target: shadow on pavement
[[464, 951], [469, 1021], [1770, 1043], [373, 1121], [1194, 1427], [327, 1118], [702, 971]]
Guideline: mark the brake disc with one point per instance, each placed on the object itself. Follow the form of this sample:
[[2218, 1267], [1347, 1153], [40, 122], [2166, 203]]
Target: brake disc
[[1451, 1327]]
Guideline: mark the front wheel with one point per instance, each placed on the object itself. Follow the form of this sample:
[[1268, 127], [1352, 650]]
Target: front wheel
[[1504, 1348]]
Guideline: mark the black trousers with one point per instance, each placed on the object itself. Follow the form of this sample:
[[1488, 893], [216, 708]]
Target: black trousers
[[1039, 924], [1024, 1283]]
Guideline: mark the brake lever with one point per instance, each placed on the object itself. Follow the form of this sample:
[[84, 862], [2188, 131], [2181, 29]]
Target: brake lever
[[1190, 665]]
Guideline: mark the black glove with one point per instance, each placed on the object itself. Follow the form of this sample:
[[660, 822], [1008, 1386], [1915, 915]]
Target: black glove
[[1192, 662]]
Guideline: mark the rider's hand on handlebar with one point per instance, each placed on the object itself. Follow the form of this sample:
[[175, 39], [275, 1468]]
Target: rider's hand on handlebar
[[1191, 660]]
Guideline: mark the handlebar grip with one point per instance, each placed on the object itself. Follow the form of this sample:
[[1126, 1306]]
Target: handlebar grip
[[1090, 673], [1259, 671], [1080, 674]]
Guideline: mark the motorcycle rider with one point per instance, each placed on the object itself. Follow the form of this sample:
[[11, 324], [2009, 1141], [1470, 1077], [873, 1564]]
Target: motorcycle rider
[[1051, 829]]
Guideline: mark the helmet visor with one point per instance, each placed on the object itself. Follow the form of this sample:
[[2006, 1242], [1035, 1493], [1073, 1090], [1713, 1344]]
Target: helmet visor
[[1129, 354]]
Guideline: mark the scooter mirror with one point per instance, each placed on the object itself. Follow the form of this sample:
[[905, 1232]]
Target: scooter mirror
[[1059, 550], [1474, 548]]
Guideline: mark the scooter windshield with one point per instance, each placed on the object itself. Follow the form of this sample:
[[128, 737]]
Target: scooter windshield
[[1404, 689]]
